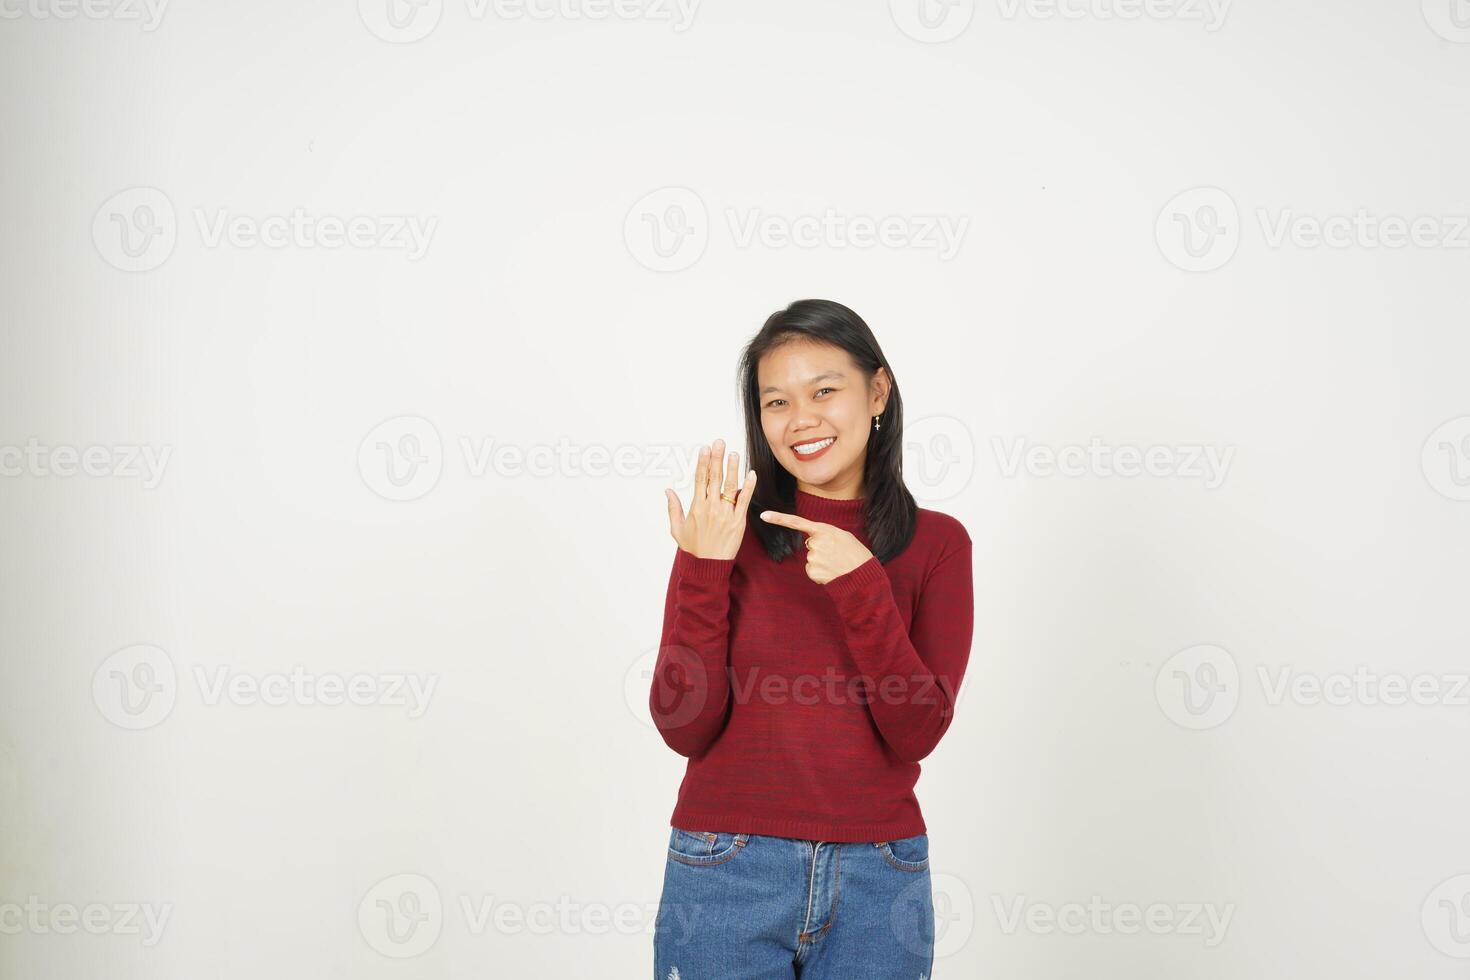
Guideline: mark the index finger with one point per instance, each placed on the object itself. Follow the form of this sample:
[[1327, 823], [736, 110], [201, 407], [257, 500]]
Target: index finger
[[791, 520]]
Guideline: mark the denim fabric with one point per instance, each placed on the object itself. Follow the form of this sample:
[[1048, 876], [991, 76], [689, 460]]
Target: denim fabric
[[758, 907]]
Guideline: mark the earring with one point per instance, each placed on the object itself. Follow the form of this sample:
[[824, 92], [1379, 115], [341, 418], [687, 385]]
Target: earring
[[876, 424]]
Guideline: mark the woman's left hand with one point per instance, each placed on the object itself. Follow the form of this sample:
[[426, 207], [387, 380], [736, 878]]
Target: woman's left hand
[[830, 551]]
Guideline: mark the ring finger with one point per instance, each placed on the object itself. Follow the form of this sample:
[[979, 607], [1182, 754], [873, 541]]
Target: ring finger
[[732, 476]]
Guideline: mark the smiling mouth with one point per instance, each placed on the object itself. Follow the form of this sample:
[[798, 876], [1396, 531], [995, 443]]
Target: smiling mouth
[[813, 449]]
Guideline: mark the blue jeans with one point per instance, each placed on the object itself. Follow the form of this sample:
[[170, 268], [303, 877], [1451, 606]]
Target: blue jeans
[[757, 907]]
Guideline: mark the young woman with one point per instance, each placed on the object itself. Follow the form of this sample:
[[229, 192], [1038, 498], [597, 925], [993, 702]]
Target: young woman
[[809, 659]]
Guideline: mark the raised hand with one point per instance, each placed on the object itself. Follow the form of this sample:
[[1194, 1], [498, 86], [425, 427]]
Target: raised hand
[[714, 526], [830, 551]]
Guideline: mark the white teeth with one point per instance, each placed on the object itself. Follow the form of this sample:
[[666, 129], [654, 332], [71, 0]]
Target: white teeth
[[810, 448]]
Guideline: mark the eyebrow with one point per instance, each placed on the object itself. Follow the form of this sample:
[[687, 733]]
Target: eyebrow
[[824, 376]]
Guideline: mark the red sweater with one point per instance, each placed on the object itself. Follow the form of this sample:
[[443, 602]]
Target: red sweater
[[804, 709]]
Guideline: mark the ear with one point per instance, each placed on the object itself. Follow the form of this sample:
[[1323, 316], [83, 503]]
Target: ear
[[878, 390]]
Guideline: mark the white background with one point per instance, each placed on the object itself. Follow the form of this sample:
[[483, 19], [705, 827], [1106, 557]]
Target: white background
[[1086, 153]]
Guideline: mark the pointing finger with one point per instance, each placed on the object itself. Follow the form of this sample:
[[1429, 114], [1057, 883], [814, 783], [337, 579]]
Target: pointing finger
[[790, 520]]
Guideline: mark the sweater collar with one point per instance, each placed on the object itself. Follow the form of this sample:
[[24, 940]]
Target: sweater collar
[[846, 514]]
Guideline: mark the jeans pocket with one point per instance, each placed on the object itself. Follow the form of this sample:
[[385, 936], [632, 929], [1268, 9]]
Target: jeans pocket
[[702, 848], [906, 853]]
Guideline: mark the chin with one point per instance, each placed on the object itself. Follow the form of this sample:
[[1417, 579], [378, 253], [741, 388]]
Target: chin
[[816, 473]]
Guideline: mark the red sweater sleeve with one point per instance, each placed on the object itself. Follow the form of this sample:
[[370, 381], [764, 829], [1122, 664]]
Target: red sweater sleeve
[[690, 695], [928, 662]]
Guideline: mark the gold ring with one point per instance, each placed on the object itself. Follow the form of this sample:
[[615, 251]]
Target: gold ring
[[726, 497]]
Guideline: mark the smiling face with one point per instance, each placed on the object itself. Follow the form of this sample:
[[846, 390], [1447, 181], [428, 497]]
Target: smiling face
[[813, 396]]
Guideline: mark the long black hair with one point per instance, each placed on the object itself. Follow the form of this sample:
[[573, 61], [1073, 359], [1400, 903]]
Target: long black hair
[[889, 510]]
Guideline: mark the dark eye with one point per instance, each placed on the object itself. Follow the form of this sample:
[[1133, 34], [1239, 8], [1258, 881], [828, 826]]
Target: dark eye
[[773, 401], [820, 390]]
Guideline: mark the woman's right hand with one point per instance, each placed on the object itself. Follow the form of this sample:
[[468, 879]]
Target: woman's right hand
[[714, 527]]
